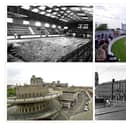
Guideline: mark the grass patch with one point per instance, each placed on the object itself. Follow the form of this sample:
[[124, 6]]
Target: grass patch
[[119, 49]]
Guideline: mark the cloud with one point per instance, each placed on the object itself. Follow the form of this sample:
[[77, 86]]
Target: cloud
[[74, 74], [112, 70], [111, 14]]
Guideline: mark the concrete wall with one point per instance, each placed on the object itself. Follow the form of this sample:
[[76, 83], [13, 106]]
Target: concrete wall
[[30, 108], [29, 91]]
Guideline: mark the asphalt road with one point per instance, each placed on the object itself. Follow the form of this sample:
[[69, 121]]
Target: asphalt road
[[84, 115], [117, 115]]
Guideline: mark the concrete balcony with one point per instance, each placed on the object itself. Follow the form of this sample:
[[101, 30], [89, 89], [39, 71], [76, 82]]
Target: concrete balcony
[[34, 100]]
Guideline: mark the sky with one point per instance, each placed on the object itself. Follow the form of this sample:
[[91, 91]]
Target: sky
[[111, 14], [109, 71], [80, 74]]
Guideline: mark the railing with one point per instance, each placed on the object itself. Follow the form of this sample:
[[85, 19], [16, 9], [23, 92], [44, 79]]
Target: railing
[[31, 100], [118, 101]]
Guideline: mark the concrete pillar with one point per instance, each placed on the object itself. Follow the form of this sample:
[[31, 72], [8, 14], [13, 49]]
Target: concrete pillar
[[28, 108], [38, 107], [31, 108], [20, 109], [23, 109], [35, 107]]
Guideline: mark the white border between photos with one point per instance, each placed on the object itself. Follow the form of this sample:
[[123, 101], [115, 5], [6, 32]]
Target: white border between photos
[[3, 70]]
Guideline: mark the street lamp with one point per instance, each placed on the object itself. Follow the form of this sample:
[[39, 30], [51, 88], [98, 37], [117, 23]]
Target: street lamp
[[113, 81]]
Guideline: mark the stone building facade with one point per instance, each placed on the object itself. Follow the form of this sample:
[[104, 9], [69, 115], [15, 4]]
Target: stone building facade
[[124, 27], [112, 90], [30, 92], [69, 98], [36, 80], [33, 108]]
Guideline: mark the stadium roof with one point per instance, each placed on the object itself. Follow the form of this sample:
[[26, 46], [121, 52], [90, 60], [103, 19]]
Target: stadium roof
[[65, 14]]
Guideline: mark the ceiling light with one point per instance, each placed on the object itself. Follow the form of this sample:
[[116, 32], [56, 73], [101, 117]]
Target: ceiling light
[[42, 7], [59, 27], [26, 7], [25, 22], [87, 9], [62, 12], [75, 8], [54, 13], [35, 10], [47, 25], [53, 16], [71, 13], [83, 14], [48, 14], [56, 9], [49, 10], [64, 20], [10, 20], [58, 15], [65, 14], [43, 12], [65, 27], [53, 26], [63, 8], [38, 24], [68, 11]]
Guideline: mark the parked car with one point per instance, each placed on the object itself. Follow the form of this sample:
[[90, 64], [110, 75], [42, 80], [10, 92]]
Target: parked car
[[86, 108]]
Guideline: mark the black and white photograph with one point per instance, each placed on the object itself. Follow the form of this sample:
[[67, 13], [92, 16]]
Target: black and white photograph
[[46, 33], [110, 92]]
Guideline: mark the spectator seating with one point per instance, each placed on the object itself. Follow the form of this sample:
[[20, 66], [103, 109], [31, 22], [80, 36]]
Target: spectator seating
[[21, 29]]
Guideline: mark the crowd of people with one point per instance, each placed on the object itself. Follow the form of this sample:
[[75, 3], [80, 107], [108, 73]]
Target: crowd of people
[[102, 41]]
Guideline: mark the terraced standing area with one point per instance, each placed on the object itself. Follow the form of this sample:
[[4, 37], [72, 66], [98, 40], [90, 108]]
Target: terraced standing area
[[119, 49]]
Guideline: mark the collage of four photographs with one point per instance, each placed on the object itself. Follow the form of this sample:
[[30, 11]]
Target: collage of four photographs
[[66, 62]]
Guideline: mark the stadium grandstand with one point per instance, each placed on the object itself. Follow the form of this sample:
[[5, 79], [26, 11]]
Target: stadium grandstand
[[49, 33]]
